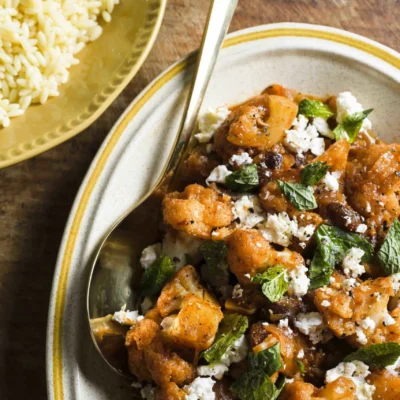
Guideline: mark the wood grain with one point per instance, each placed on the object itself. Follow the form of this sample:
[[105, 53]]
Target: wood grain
[[36, 195]]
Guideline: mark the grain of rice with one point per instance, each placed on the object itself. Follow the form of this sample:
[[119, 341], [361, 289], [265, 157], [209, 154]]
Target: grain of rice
[[39, 41]]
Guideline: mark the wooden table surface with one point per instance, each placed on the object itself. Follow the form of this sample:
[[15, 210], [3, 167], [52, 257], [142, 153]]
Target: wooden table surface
[[36, 195]]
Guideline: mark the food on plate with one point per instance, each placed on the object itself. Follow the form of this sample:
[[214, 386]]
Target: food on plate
[[278, 275], [39, 41]]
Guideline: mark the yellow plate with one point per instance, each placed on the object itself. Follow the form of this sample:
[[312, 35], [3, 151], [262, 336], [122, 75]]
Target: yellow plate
[[106, 66]]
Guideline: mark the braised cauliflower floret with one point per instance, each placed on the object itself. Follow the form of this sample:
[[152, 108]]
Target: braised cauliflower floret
[[194, 326], [387, 385], [340, 389], [183, 284], [150, 358], [197, 211], [249, 253], [170, 391], [360, 314]]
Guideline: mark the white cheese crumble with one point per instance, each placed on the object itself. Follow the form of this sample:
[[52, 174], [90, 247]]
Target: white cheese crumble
[[237, 291], [349, 284], [136, 385], [209, 122], [180, 246], [331, 181], [150, 254], [312, 325], [241, 159], [347, 104], [235, 353], [300, 354], [126, 317], [322, 127], [217, 370], [200, 389], [368, 324], [218, 174], [280, 229], [361, 336], [352, 262], [395, 278], [303, 137], [357, 371], [325, 303], [148, 392], [362, 228], [248, 210], [388, 320], [299, 281], [394, 369]]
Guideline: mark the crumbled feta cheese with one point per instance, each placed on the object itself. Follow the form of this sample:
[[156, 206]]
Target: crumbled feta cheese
[[136, 385], [388, 320], [126, 317], [209, 122], [312, 325], [237, 291], [300, 354], [368, 207], [150, 254], [357, 371], [331, 181], [305, 232], [347, 104], [299, 281], [200, 389], [352, 262], [368, 324], [147, 304], [304, 137], [248, 275], [325, 303], [217, 370], [361, 337], [235, 353], [248, 210], [148, 392], [321, 125], [394, 369], [179, 246], [362, 228], [395, 278], [349, 284], [241, 159], [218, 174], [284, 323]]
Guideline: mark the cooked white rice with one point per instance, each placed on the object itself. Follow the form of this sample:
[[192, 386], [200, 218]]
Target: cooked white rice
[[39, 40]]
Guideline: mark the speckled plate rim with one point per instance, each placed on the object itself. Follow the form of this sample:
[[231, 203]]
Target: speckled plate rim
[[54, 356], [23, 151]]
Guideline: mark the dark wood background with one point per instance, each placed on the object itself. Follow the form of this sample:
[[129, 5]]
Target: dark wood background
[[36, 195]]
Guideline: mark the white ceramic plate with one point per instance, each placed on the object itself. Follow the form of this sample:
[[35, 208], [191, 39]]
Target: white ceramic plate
[[308, 58]]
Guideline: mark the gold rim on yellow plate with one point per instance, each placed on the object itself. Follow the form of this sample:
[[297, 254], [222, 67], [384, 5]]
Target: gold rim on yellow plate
[[353, 41], [91, 87]]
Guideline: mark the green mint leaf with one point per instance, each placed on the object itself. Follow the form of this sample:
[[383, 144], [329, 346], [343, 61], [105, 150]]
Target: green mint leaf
[[389, 253], [300, 365], [215, 271], [231, 328], [319, 271], [377, 355], [351, 125], [156, 276], [332, 243], [313, 173], [314, 108], [255, 385], [243, 180], [300, 195], [268, 360], [274, 282]]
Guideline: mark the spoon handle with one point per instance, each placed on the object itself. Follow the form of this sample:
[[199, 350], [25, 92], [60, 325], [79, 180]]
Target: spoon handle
[[218, 20]]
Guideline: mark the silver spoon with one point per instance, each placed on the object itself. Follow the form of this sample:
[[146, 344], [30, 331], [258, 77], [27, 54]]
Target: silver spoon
[[112, 282]]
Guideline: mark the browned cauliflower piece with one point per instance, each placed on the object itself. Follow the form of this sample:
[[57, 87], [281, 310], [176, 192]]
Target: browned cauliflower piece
[[340, 389], [184, 283], [197, 211], [249, 253], [170, 391], [387, 385], [361, 313], [150, 358], [195, 326]]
